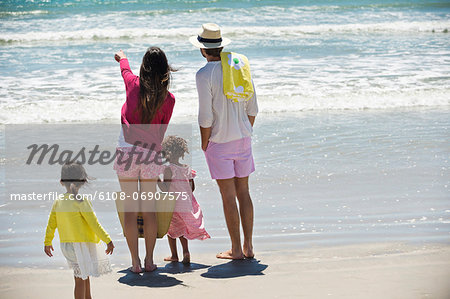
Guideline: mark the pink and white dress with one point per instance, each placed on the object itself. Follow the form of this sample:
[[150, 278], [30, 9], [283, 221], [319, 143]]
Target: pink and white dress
[[187, 218]]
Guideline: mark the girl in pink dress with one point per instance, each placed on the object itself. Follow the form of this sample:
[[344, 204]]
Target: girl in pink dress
[[187, 219]]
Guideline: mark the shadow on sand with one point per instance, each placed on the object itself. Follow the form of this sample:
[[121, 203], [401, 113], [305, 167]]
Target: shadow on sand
[[236, 268], [176, 268], [157, 279]]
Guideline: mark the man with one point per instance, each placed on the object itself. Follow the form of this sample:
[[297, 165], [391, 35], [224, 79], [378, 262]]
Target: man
[[226, 127]]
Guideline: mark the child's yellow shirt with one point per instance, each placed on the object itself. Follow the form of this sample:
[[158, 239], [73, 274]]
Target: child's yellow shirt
[[76, 222]]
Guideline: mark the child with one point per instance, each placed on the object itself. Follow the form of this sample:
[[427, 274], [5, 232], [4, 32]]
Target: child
[[79, 232], [187, 219]]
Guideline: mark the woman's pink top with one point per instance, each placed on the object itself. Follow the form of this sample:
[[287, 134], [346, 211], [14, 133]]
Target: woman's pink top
[[130, 114]]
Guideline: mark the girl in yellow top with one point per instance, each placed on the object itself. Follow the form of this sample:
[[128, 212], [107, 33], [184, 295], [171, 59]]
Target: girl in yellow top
[[79, 232]]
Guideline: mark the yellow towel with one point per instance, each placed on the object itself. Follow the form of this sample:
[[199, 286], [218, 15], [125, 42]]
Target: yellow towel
[[237, 80]]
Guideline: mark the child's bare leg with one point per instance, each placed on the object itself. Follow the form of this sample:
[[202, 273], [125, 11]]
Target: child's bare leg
[[79, 290], [173, 250], [186, 254], [87, 291]]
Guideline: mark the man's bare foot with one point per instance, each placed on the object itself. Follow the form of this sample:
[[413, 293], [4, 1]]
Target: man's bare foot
[[173, 258], [186, 258], [149, 266], [248, 251], [229, 255]]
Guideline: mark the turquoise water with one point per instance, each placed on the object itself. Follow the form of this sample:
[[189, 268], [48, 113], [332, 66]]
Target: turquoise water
[[57, 64]]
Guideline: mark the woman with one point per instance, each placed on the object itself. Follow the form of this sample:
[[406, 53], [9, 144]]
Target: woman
[[145, 115]]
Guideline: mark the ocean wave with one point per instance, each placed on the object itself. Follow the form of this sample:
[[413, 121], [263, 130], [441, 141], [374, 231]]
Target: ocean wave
[[23, 13], [95, 110], [253, 31], [189, 6]]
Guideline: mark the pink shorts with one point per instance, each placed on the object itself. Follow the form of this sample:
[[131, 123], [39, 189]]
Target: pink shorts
[[126, 164], [230, 159]]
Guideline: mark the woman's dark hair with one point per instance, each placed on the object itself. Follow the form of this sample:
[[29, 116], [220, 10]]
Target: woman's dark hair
[[215, 52], [174, 146], [73, 176], [154, 80]]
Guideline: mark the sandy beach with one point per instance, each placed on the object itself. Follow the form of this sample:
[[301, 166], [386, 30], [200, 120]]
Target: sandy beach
[[359, 271]]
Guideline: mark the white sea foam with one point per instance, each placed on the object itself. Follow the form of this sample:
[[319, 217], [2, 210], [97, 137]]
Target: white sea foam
[[94, 109], [23, 13], [248, 31]]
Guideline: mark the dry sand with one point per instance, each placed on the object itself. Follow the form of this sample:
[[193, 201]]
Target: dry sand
[[359, 271]]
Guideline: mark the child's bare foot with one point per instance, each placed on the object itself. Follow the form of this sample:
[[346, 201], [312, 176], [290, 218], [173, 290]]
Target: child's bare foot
[[248, 251], [229, 255], [173, 258], [186, 258], [149, 266]]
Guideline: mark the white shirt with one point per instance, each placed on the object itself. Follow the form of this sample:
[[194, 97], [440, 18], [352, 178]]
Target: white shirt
[[228, 120]]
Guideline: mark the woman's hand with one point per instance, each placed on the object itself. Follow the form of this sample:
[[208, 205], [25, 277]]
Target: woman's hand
[[109, 248], [48, 250], [119, 55]]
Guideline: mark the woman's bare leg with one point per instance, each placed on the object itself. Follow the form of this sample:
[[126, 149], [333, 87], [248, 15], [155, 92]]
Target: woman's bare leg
[[150, 225], [173, 250], [186, 254], [79, 290], [130, 186]]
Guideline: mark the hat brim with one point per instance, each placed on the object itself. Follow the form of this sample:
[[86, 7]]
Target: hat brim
[[193, 39]]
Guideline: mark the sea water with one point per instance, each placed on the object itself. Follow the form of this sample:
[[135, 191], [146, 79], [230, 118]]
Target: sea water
[[56, 57]]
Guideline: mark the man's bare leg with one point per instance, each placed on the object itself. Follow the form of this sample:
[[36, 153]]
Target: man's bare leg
[[246, 212], [228, 192]]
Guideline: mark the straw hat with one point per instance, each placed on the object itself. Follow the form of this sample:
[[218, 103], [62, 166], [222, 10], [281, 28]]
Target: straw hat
[[209, 38]]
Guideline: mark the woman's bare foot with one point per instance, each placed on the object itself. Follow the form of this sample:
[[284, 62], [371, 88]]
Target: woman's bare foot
[[136, 267], [248, 251], [149, 266], [186, 258], [229, 255], [173, 258]]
